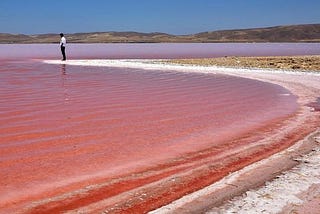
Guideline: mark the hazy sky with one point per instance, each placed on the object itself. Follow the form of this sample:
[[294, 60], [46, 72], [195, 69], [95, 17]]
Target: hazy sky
[[169, 16]]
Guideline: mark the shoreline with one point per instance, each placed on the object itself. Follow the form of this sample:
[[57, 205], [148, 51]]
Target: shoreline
[[303, 84], [244, 190]]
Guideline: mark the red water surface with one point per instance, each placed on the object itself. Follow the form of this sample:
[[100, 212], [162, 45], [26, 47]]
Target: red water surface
[[63, 128]]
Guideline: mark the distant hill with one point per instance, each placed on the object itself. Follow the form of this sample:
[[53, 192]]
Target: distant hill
[[292, 33]]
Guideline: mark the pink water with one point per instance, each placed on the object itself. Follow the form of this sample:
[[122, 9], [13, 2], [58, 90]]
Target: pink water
[[63, 125], [157, 50]]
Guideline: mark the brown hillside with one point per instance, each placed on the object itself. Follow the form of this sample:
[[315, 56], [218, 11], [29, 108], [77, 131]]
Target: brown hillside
[[293, 33]]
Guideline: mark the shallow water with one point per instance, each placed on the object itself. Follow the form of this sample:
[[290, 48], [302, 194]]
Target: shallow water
[[61, 124]]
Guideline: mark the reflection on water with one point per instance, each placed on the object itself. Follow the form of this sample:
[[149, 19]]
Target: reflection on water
[[64, 84], [63, 69]]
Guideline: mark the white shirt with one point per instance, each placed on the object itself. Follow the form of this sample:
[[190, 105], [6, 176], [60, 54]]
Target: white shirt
[[63, 41]]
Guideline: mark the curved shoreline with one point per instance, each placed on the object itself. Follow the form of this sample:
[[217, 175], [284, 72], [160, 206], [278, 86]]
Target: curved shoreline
[[304, 85]]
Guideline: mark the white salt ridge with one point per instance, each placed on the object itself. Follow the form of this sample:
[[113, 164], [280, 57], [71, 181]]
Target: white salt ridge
[[271, 198], [158, 64], [275, 195]]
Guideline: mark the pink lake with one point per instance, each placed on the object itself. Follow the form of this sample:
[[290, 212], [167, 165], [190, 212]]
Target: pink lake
[[64, 127]]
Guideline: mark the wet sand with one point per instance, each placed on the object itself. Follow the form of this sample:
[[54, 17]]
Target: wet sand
[[288, 133], [159, 182]]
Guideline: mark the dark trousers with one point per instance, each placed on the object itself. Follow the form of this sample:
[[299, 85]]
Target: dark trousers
[[63, 51]]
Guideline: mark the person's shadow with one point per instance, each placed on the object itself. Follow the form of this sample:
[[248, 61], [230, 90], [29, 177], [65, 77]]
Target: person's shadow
[[66, 100]]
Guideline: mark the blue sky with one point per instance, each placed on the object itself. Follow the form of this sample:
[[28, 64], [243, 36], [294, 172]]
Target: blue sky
[[169, 16]]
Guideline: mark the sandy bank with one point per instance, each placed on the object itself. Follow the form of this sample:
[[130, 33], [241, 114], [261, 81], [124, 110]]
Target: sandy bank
[[294, 63], [303, 84]]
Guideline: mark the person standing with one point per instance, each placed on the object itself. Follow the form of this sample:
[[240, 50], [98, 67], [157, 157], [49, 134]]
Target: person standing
[[63, 43]]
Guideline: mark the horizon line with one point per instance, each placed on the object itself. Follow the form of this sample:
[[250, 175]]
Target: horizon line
[[150, 32]]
